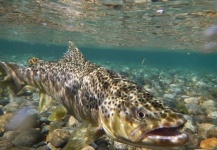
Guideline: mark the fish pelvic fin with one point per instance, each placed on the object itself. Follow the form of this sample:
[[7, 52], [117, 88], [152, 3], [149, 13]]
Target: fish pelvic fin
[[9, 79], [84, 135], [45, 101], [74, 55]]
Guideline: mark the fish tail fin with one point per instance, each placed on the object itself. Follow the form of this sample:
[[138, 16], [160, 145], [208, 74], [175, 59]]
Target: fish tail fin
[[9, 79]]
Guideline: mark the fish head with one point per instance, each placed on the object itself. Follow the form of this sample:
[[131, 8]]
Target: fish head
[[142, 122]]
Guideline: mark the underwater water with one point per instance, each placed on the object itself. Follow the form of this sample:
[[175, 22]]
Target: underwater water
[[166, 59], [159, 44]]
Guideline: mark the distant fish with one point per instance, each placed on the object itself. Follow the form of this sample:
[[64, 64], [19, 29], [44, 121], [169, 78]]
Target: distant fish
[[103, 101]]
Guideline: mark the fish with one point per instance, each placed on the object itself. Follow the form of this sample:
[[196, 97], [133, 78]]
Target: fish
[[103, 101]]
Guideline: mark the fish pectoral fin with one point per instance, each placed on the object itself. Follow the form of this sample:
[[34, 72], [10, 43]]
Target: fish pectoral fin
[[59, 113], [44, 102], [26, 89], [84, 135]]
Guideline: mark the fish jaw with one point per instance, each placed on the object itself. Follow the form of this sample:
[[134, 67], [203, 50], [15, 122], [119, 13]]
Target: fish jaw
[[153, 132], [161, 134]]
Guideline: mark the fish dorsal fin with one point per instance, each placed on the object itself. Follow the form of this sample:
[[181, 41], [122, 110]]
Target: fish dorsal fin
[[74, 55]]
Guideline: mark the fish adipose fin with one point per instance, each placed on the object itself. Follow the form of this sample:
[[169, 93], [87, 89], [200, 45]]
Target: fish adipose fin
[[74, 55], [83, 135], [9, 80]]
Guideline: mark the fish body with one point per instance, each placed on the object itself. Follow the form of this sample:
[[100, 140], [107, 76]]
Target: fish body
[[102, 100]]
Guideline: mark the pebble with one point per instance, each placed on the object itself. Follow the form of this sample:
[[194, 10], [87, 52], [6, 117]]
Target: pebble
[[58, 137], [21, 148], [169, 96], [72, 122], [190, 124], [212, 132], [120, 146], [209, 103], [209, 144], [88, 148], [212, 114], [11, 107], [1, 112], [203, 129], [191, 100], [11, 135], [28, 138], [5, 144], [4, 102], [194, 109], [193, 141], [3, 120], [201, 119]]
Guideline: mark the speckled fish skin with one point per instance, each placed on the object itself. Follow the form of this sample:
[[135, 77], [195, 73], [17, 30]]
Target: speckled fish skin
[[104, 101]]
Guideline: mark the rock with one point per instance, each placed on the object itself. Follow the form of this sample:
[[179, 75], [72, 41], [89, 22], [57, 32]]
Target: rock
[[11, 135], [1, 112], [28, 138], [211, 109], [212, 132], [3, 120], [57, 125], [120, 146], [193, 141], [72, 122], [44, 147], [5, 144], [209, 144], [203, 129], [212, 114], [201, 119], [45, 129], [88, 148], [4, 102], [191, 100], [21, 148], [102, 144], [194, 109], [189, 124], [201, 84], [58, 137], [169, 96], [11, 107], [209, 103]]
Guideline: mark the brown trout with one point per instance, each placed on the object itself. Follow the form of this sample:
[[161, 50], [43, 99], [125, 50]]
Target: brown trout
[[105, 102]]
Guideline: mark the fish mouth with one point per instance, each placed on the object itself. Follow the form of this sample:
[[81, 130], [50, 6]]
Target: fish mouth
[[161, 136]]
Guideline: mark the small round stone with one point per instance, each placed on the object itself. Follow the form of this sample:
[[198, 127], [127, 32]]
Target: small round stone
[[191, 100], [28, 138], [58, 137]]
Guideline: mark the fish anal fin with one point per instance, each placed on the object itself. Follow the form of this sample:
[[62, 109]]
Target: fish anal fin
[[84, 135], [74, 55], [44, 102]]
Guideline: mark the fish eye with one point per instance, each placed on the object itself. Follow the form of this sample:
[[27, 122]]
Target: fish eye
[[141, 115]]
